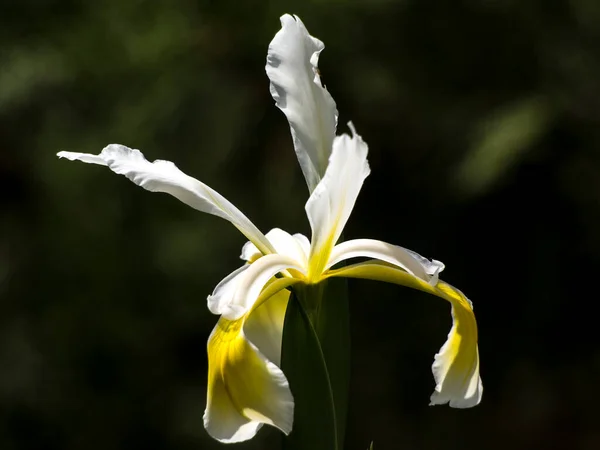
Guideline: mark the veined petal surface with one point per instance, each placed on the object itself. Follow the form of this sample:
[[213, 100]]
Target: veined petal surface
[[164, 176], [456, 366], [332, 201], [296, 87]]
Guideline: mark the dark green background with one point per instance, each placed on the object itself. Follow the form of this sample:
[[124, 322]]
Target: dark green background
[[482, 118]]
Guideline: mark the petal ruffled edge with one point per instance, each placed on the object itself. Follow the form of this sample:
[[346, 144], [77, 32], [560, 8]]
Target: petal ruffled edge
[[296, 87]]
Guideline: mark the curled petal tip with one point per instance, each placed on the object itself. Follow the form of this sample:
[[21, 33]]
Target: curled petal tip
[[352, 129]]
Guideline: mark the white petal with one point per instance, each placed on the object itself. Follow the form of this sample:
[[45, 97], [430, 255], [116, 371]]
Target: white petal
[[164, 176], [296, 87], [408, 260], [456, 366], [249, 285], [221, 300], [432, 267], [284, 244], [250, 252], [304, 243], [245, 389], [331, 203], [224, 423], [264, 325]]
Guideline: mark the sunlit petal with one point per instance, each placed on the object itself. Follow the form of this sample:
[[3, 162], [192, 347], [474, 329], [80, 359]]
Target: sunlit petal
[[221, 300], [264, 325], [164, 176], [222, 420], [288, 245], [304, 243], [245, 389], [456, 366], [251, 282], [297, 89], [332, 201], [296, 246], [283, 243], [250, 252], [408, 260]]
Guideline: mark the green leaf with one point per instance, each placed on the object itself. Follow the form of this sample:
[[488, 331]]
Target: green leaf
[[302, 360], [333, 330], [316, 360]]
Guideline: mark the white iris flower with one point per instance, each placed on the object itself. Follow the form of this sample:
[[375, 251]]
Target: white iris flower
[[246, 387]]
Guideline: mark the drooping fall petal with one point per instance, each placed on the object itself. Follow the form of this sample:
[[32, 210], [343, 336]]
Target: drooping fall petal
[[245, 389], [264, 325], [456, 366]]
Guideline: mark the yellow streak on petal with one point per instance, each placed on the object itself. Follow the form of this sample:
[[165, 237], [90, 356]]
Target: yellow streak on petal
[[240, 380], [254, 257], [319, 255], [234, 365], [456, 366]]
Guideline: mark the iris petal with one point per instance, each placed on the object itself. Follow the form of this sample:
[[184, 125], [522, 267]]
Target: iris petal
[[164, 176], [245, 389], [297, 90], [332, 201], [456, 366]]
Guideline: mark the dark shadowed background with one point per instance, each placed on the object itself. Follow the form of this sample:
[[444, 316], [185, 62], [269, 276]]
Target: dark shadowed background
[[482, 118]]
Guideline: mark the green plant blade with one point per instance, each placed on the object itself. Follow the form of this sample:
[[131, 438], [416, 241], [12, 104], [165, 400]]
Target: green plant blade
[[333, 330], [316, 361], [303, 363]]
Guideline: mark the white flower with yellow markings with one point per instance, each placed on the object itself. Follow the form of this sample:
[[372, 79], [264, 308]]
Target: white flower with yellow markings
[[246, 387]]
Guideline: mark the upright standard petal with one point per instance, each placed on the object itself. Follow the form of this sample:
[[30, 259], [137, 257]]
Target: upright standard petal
[[164, 176], [297, 90], [456, 366], [332, 201]]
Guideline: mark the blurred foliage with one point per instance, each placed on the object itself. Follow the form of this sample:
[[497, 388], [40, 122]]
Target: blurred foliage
[[482, 118]]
